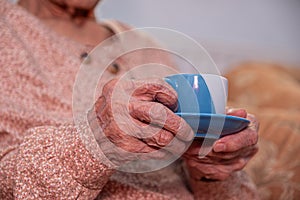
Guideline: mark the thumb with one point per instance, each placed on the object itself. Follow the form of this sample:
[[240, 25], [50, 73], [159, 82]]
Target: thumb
[[238, 112]]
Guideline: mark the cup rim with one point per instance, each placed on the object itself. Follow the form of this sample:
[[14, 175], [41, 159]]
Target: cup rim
[[186, 74]]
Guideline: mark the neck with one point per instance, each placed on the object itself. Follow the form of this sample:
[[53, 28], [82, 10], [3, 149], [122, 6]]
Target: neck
[[48, 9], [77, 24]]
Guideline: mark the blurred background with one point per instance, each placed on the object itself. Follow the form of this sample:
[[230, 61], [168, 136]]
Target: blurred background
[[232, 31]]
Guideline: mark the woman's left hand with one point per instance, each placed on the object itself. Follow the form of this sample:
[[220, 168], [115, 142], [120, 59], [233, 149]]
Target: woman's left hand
[[230, 153]]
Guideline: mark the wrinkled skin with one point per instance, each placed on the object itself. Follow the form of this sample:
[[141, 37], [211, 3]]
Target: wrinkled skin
[[230, 153], [138, 117]]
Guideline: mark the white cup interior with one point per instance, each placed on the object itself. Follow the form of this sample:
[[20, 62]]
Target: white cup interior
[[218, 88]]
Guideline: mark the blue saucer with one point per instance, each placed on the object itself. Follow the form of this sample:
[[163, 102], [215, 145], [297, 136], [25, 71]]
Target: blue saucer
[[214, 126]]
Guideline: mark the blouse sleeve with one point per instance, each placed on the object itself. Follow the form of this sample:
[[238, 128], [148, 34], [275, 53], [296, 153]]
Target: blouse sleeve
[[45, 162], [51, 163]]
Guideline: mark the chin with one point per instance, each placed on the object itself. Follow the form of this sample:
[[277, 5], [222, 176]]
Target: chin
[[83, 4]]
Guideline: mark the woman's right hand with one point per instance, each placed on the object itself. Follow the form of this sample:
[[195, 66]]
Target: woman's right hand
[[137, 116]]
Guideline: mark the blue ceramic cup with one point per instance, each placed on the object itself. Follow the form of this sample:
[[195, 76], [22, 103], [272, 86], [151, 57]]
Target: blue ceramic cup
[[199, 93], [202, 100]]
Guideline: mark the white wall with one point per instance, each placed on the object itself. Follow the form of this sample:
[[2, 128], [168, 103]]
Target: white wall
[[231, 30]]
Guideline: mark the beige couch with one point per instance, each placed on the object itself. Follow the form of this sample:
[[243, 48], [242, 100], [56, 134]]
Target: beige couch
[[272, 93]]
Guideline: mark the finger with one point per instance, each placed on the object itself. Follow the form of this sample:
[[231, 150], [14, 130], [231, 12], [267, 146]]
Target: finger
[[218, 172], [159, 115], [209, 171], [156, 90], [170, 143], [245, 152], [208, 160], [109, 86], [99, 105], [230, 159], [129, 146], [235, 142], [161, 139], [158, 138], [237, 112], [224, 158], [254, 123], [166, 140]]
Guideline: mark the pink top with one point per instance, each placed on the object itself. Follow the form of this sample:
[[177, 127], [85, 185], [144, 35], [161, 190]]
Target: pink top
[[41, 154]]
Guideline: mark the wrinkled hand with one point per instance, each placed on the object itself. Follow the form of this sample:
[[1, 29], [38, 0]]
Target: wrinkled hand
[[230, 153], [137, 117]]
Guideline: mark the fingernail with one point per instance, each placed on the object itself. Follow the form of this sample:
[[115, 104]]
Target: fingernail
[[229, 110], [220, 147]]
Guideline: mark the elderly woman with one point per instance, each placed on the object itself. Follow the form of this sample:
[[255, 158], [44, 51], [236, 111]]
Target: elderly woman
[[42, 155]]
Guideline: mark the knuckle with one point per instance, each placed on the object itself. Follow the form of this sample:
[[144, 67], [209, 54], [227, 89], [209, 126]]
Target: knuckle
[[157, 109], [163, 138], [157, 113], [159, 82], [254, 122], [237, 145], [158, 154], [185, 131], [164, 86], [140, 110], [246, 139], [100, 104], [108, 86]]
